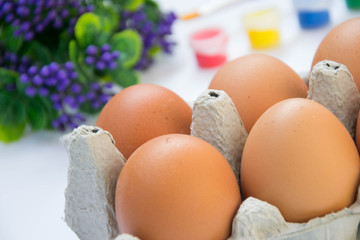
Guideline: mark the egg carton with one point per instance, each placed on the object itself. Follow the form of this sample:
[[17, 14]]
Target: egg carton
[[95, 164]]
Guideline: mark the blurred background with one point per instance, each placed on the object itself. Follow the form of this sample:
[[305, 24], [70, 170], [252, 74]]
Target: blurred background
[[33, 169]]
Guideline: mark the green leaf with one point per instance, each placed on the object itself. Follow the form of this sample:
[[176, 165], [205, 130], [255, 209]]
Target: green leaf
[[12, 109], [12, 116], [154, 50], [152, 11], [7, 76], [11, 42], [20, 87], [88, 109], [109, 17], [74, 57], [103, 38], [73, 51], [36, 114], [50, 112], [131, 5], [40, 52], [125, 77], [61, 53], [152, 3], [129, 44], [87, 28], [12, 133]]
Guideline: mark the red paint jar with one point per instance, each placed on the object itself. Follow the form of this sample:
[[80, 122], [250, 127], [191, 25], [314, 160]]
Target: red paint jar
[[209, 46]]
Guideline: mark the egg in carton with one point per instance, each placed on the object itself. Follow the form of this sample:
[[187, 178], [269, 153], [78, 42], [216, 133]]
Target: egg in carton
[[95, 164], [332, 85]]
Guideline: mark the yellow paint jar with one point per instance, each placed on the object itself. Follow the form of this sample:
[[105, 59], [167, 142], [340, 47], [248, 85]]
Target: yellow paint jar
[[262, 28]]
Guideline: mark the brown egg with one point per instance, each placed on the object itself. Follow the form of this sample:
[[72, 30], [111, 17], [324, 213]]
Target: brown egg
[[141, 112], [300, 158], [177, 187], [255, 82], [342, 45], [357, 135]]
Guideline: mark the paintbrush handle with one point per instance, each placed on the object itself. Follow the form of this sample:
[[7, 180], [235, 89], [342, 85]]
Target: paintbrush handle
[[215, 5], [208, 8]]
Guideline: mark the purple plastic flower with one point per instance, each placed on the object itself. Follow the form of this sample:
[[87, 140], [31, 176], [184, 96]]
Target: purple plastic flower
[[39, 27], [112, 65], [104, 98], [25, 26], [30, 91], [21, 2], [45, 71], [24, 78], [100, 65], [152, 33], [9, 18], [80, 99], [58, 23], [51, 15], [108, 85], [95, 104], [37, 80], [79, 117], [54, 67], [95, 86], [69, 66], [13, 58], [106, 57], [57, 106], [29, 35], [61, 75], [73, 75], [64, 13], [68, 120], [90, 60], [55, 123], [8, 6], [76, 88], [10, 60], [61, 87], [105, 48], [33, 70], [70, 100], [40, 15], [91, 50], [43, 91], [25, 60], [55, 97], [102, 61], [63, 118], [115, 55], [23, 11], [90, 95], [51, 81]]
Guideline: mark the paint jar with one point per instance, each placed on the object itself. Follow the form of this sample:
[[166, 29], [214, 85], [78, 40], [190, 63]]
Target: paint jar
[[262, 28], [210, 46], [312, 13], [353, 4]]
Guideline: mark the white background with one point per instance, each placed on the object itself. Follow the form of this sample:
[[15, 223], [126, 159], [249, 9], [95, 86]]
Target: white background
[[33, 170]]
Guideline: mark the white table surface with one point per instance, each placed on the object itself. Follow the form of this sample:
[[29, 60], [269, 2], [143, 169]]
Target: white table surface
[[33, 170]]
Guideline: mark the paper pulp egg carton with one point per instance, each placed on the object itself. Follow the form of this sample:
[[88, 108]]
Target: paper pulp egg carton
[[95, 164]]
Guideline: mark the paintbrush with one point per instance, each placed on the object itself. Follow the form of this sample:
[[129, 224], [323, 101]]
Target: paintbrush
[[207, 8]]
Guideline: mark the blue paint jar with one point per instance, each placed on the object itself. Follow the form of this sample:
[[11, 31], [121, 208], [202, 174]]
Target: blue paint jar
[[313, 19], [312, 13]]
